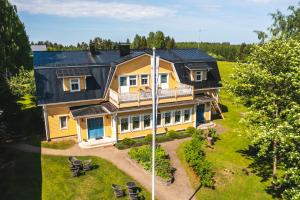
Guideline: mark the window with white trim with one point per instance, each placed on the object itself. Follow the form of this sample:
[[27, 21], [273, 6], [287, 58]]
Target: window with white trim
[[158, 119], [123, 81], [75, 84], [163, 78], [144, 79], [147, 121], [135, 121], [168, 118], [63, 121], [198, 75], [132, 80], [177, 116], [187, 115], [124, 122]]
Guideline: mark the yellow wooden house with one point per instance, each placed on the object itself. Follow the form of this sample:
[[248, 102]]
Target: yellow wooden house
[[102, 97]]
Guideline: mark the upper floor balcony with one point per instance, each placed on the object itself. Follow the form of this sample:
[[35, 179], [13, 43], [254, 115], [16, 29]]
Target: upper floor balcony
[[144, 97]]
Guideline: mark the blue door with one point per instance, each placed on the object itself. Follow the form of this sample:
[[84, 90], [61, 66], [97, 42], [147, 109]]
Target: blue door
[[200, 114], [95, 128]]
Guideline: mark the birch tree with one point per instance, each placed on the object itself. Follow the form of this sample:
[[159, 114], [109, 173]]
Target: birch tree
[[269, 84]]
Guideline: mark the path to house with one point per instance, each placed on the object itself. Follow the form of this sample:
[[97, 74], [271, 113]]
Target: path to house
[[181, 189]]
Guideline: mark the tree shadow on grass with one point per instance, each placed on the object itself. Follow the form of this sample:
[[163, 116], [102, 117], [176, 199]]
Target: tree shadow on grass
[[20, 174], [259, 166]]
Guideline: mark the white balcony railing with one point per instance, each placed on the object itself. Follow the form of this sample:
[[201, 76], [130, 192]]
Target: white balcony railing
[[183, 90]]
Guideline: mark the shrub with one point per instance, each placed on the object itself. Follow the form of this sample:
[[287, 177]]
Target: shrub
[[190, 130], [128, 141], [212, 133], [148, 138], [143, 155], [172, 134], [195, 157]]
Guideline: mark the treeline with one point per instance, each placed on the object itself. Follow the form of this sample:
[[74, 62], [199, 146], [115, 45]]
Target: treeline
[[157, 40], [221, 51]]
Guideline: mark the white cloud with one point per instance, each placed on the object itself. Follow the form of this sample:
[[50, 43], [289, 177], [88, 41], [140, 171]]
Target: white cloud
[[263, 1], [92, 8]]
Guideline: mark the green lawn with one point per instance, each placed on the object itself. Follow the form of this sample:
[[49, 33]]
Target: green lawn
[[33, 176], [226, 157], [37, 140]]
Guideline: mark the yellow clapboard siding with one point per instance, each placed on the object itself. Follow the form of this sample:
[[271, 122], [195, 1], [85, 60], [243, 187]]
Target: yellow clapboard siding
[[142, 65]]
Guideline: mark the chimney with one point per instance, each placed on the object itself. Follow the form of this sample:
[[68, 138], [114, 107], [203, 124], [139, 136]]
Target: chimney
[[92, 48], [124, 49]]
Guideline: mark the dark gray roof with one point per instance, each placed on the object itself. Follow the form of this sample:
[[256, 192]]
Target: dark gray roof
[[73, 72], [90, 110], [49, 88], [100, 68], [213, 76], [198, 66]]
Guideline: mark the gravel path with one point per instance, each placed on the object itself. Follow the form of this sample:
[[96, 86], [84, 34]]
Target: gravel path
[[181, 189]]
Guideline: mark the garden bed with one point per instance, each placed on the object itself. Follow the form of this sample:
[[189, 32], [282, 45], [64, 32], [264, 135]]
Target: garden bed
[[163, 168], [169, 136]]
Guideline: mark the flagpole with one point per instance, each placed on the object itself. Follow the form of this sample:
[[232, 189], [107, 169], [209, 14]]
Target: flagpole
[[154, 110]]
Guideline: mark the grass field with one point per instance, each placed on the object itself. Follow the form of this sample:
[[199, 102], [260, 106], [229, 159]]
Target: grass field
[[33, 176], [231, 182]]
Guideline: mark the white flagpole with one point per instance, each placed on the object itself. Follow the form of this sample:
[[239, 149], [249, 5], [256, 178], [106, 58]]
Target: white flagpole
[[154, 110]]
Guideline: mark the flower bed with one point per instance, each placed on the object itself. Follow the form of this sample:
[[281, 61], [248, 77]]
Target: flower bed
[[169, 136], [143, 155]]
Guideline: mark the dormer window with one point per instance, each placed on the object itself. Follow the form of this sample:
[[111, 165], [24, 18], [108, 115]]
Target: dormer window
[[75, 84], [198, 76]]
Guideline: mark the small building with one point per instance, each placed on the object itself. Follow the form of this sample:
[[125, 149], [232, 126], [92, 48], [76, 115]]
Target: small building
[[38, 48], [102, 97]]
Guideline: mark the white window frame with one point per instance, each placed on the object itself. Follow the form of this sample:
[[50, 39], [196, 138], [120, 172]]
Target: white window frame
[[63, 128], [196, 74], [120, 120], [136, 129], [161, 119], [78, 81], [159, 78], [169, 124], [190, 120], [129, 77], [180, 121], [127, 81], [145, 128], [141, 80]]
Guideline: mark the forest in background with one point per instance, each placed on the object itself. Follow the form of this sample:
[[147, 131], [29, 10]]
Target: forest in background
[[222, 51]]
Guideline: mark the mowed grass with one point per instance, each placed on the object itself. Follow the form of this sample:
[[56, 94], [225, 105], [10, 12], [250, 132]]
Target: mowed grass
[[231, 182], [64, 144], [48, 177]]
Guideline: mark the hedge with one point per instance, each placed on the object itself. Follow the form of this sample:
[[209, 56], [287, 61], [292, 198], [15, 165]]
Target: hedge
[[169, 136]]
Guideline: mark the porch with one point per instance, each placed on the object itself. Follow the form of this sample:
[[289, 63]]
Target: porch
[[92, 143], [95, 124], [146, 95]]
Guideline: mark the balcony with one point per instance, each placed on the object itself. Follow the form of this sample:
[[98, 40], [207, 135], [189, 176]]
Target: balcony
[[143, 97]]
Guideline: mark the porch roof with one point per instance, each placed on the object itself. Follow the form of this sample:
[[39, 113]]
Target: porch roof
[[103, 108]]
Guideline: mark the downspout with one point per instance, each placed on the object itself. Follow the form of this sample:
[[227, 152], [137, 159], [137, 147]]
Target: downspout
[[45, 112]]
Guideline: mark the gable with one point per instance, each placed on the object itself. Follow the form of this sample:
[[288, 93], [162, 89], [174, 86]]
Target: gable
[[142, 65]]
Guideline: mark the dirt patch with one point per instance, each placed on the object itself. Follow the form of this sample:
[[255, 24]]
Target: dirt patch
[[220, 129]]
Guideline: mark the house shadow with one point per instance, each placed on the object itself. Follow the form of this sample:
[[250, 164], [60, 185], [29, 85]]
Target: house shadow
[[217, 115], [20, 174]]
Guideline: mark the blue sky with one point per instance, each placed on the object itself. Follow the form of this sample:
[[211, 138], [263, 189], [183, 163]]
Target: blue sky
[[72, 21]]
